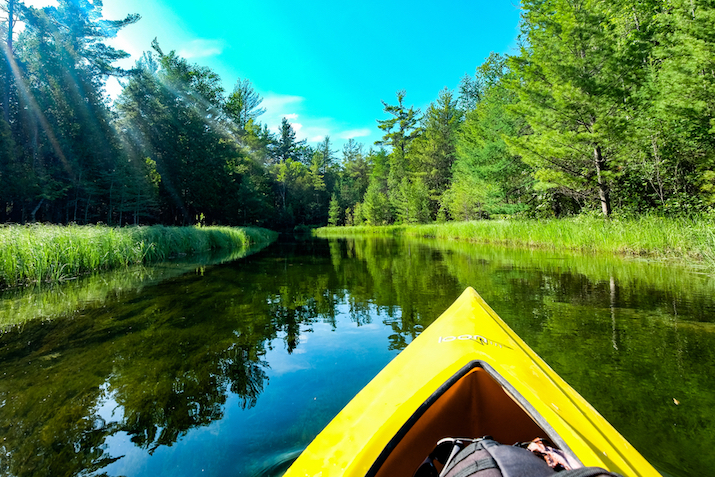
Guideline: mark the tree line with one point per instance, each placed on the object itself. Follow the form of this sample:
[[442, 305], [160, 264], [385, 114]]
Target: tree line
[[606, 106]]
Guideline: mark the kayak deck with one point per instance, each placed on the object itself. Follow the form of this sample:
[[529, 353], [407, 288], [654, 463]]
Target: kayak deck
[[484, 409], [467, 375]]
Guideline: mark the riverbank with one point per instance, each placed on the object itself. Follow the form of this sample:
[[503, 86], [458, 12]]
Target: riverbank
[[656, 237], [51, 253]]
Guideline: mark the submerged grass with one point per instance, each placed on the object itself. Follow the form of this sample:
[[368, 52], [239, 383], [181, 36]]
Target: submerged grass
[[50, 253], [656, 237]]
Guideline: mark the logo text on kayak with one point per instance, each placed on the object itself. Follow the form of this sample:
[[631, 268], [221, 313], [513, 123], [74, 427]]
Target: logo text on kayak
[[478, 338]]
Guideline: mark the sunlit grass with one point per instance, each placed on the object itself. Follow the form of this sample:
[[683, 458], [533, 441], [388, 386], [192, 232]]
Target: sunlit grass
[[48, 301], [50, 253], [681, 238]]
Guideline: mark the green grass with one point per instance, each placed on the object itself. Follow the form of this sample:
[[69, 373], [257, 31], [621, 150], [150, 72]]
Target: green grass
[[657, 237], [48, 301], [50, 253]]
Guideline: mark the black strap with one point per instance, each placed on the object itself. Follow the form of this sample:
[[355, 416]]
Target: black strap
[[463, 454], [474, 467]]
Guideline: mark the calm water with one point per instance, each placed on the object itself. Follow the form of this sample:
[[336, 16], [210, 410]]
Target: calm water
[[232, 369]]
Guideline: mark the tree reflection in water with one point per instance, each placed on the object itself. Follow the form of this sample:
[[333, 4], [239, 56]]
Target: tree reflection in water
[[154, 363]]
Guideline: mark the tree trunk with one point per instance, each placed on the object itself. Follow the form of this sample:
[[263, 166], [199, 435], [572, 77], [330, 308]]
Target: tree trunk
[[604, 194], [9, 53], [86, 209], [109, 213], [34, 211]]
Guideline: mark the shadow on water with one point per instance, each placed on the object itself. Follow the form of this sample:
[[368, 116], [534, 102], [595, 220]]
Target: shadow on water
[[230, 369]]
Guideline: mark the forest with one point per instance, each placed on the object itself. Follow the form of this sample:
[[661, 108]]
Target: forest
[[606, 107]]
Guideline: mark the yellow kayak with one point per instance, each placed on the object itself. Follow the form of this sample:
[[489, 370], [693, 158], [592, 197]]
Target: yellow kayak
[[467, 375]]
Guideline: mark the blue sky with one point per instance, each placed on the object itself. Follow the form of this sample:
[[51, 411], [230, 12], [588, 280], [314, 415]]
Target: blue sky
[[326, 65]]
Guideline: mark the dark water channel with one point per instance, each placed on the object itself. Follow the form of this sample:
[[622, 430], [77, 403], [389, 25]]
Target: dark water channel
[[232, 369]]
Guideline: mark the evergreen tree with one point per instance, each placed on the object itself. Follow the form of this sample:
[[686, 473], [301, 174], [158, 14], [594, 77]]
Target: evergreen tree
[[358, 215], [488, 179], [400, 130], [435, 149], [174, 116], [574, 86], [354, 174], [335, 212], [324, 156], [412, 201], [376, 208], [59, 119], [286, 145], [243, 104]]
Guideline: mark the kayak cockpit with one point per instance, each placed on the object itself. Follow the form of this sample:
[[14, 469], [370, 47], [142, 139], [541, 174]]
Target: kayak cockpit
[[475, 402]]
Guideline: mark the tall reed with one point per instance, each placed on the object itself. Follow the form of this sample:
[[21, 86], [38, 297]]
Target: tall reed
[[35, 253], [681, 238]]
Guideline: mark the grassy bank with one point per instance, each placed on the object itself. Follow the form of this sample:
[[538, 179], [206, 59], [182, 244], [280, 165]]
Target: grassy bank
[[681, 238], [37, 253]]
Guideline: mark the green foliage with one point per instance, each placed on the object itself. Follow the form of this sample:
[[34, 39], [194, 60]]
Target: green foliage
[[376, 208], [244, 104], [411, 202], [607, 105], [58, 119], [335, 212], [435, 150], [353, 176], [287, 146], [41, 253], [574, 85], [685, 238], [488, 179], [400, 131], [401, 128], [324, 157]]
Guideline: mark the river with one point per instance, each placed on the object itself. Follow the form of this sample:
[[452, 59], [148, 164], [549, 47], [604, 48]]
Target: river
[[231, 369]]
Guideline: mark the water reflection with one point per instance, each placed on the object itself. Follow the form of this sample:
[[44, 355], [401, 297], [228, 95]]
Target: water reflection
[[232, 369]]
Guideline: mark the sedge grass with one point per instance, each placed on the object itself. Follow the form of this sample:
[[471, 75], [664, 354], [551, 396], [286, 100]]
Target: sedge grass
[[49, 301], [650, 236], [50, 253]]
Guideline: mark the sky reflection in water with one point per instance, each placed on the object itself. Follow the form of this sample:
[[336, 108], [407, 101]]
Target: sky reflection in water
[[232, 369]]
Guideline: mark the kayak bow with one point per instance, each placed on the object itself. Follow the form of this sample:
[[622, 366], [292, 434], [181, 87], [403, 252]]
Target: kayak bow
[[466, 375]]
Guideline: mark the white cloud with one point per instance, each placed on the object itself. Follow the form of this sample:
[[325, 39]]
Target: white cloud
[[313, 129], [201, 49], [279, 106], [353, 133], [276, 104]]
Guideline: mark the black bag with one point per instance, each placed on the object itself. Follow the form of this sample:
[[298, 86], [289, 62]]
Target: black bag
[[485, 457]]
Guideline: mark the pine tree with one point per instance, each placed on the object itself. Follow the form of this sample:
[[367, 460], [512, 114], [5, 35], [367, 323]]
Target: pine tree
[[243, 104], [574, 84], [487, 178], [400, 130], [435, 149], [287, 146], [334, 211]]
